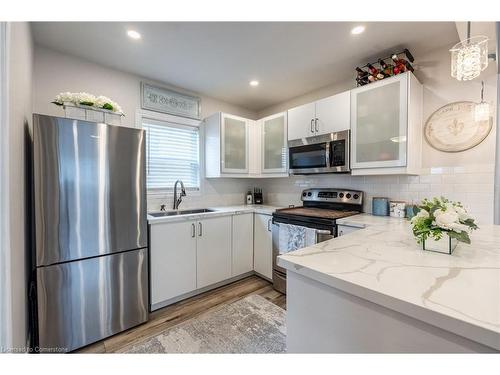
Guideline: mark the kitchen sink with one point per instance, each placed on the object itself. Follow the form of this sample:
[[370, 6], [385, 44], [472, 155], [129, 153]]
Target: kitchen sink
[[180, 212]]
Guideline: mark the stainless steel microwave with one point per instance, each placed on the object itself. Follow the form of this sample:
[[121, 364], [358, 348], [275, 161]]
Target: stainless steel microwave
[[327, 153]]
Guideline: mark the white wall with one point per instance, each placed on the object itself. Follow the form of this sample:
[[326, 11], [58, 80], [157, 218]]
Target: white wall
[[465, 176], [20, 62], [55, 72]]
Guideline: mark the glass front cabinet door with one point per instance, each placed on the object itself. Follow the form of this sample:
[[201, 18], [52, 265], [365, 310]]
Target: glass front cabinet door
[[234, 144], [274, 143], [379, 124]]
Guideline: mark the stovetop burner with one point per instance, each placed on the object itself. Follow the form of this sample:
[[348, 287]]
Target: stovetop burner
[[323, 206], [323, 213]]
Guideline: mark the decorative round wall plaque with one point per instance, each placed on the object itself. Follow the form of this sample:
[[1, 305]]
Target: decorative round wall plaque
[[452, 128]]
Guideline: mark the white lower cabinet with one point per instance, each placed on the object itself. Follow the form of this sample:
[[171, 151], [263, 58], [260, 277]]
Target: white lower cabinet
[[242, 244], [263, 245], [213, 250], [173, 260], [190, 255]]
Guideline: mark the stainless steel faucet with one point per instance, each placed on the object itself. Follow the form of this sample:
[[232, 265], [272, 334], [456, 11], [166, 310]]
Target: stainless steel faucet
[[177, 201]]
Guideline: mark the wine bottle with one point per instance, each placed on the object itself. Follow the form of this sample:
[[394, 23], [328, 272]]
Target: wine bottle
[[387, 69], [399, 65], [406, 63], [374, 72], [362, 78]]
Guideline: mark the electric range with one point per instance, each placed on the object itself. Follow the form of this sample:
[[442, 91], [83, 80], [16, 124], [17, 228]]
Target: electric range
[[320, 210]]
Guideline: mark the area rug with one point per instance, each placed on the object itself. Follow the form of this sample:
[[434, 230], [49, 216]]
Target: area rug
[[250, 325]]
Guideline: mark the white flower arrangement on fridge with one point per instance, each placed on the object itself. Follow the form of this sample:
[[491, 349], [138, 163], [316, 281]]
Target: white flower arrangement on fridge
[[89, 100], [440, 216]]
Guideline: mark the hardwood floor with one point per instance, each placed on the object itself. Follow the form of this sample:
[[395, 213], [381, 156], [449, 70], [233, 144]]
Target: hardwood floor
[[190, 308]]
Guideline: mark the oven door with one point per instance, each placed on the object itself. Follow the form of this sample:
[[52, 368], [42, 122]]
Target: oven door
[[309, 158], [322, 234], [279, 273]]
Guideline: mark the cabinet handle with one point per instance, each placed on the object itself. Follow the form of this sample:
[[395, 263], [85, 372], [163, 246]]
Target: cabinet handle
[[316, 125], [268, 225], [193, 230], [200, 229], [312, 125]]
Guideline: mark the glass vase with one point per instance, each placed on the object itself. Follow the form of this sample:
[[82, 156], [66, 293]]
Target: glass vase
[[445, 245]]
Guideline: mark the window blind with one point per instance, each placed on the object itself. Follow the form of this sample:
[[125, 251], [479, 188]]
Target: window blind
[[172, 153]]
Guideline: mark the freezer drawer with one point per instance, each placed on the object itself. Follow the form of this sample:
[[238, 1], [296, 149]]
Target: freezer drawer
[[85, 301]]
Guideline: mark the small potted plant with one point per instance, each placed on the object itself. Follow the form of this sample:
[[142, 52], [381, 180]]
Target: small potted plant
[[440, 224]]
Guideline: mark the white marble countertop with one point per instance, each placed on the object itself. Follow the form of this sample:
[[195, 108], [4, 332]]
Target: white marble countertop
[[217, 211], [383, 264]]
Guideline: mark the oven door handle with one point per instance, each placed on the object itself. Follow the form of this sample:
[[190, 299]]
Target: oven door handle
[[322, 231], [323, 235]]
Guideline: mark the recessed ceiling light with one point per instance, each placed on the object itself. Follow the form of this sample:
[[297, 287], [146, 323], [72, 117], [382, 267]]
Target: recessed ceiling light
[[357, 30], [133, 34], [254, 83]]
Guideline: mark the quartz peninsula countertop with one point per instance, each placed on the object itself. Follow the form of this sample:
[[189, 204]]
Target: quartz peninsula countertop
[[383, 264]]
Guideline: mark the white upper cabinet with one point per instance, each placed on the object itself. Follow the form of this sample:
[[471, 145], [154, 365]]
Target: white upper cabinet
[[226, 145], [254, 148], [234, 144], [386, 126], [274, 143], [324, 116], [301, 121], [239, 147], [333, 113]]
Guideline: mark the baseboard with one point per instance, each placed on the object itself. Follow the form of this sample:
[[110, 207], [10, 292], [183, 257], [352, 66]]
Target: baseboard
[[171, 301]]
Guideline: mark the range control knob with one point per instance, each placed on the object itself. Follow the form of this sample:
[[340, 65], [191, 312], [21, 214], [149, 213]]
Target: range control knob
[[348, 196], [309, 194], [355, 196], [304, 194], [341, 195]]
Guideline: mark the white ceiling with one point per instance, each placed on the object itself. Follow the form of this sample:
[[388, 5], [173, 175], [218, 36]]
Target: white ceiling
[[219, 59]]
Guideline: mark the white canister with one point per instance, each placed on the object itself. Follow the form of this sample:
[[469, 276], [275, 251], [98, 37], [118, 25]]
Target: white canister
[[397, 209], [249, 197]]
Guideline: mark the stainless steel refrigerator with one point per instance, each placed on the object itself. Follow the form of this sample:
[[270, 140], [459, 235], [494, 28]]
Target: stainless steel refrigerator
[[90, 258]]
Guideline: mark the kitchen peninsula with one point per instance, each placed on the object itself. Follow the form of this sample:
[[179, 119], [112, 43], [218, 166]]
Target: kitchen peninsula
[[374, 290]]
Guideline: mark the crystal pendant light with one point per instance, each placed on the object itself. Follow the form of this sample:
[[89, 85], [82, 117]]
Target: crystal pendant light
[[469, 57], [482, 109]]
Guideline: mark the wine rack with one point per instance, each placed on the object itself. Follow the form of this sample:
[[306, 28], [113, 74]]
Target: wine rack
[[385, 67]]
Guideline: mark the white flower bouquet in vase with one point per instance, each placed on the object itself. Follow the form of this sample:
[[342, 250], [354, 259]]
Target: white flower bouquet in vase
[[440, 224], [85, 106]]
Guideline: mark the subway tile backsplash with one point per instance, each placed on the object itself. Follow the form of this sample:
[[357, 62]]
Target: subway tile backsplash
[[472, 185]]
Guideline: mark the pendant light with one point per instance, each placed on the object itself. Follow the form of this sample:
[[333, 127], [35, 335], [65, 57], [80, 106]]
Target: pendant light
[[482, 109], [469, 57]]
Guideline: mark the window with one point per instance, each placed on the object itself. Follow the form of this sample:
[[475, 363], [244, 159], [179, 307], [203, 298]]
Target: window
[[172, 153]]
